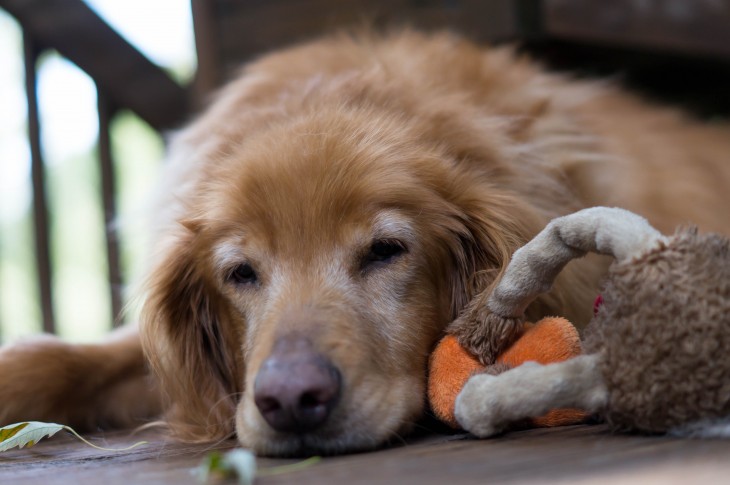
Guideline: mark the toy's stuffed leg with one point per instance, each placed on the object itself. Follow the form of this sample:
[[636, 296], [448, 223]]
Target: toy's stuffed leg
[[488, 404]]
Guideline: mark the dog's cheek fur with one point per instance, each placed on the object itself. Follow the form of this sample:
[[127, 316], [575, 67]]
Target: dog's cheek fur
[[189, 336]]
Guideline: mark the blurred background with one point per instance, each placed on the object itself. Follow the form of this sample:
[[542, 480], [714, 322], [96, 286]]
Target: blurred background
[[68, 118], [90, 89]]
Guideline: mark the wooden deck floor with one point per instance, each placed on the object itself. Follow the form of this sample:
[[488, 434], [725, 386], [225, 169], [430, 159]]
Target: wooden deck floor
[[576, 454]]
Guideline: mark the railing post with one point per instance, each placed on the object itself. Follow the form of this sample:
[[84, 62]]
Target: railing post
[[108, 195], [209, 72], [40, 206]]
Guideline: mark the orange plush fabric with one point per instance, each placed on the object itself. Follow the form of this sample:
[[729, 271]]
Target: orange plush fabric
[[552, 339]]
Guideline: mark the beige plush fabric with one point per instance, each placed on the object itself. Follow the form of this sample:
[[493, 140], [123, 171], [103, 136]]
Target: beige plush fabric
[[488, 404], [535, 266], [664, 335]]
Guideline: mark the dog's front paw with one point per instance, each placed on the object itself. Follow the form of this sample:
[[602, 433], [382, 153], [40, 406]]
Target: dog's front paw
[[32, 372]]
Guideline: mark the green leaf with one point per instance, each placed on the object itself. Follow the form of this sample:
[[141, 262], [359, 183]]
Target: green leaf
[[241, 465], [244, 464], [292, 467], [238, 463], [27, 433]]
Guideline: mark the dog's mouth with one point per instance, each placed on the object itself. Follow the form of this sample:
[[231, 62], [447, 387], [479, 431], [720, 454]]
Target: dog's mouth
[[359, 418], [332, 440], [303, 445]]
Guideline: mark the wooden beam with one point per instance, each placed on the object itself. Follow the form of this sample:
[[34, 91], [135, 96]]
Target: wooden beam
[[38, 177], [108, 196], [209, 74], [130, 79], [245, 29], [694, 27]]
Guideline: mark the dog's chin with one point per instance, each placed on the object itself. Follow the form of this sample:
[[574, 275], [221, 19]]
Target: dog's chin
[[315, 443], [351, 429]]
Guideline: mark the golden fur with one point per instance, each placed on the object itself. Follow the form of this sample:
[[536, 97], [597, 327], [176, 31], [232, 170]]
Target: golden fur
[[459, 153]]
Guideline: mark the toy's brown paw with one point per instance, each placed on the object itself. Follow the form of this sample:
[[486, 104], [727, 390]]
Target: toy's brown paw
[[484, 334]]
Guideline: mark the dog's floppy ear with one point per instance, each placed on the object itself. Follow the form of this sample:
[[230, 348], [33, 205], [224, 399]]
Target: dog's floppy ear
[[187, 338], [491, 228]]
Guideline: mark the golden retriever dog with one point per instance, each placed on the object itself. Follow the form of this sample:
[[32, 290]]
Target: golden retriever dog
[[341, 204]]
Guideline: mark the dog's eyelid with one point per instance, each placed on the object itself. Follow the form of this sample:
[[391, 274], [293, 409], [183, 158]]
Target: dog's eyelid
[[382, 252], [242, 274], [228, 255], [392, 224], [389, 241]]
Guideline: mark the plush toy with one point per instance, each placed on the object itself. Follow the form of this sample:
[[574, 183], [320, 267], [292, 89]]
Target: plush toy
[[552, 339], [657, 351]]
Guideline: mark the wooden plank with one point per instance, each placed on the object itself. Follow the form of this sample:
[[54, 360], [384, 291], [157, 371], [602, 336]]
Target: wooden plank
[[209, 74], [38, 177], [64, 460], [558, 455], [108, 197], [251, 27], [697, 27], [575, 454], [127, 76]]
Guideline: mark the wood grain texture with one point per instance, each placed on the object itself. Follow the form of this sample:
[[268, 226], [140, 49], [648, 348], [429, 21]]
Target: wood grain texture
[[575, 454]]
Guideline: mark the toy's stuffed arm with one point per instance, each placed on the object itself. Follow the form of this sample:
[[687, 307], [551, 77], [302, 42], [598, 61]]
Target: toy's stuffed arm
[[489, 404], [535, 266]]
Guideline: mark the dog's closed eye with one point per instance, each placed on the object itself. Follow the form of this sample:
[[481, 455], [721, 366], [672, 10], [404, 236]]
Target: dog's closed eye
[[383, 251], [242, 274]]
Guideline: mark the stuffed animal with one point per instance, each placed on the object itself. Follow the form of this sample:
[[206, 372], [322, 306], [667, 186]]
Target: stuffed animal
[[552, 339], [657, 351]]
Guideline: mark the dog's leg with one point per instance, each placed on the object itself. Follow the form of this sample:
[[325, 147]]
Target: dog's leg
[[87, 386]]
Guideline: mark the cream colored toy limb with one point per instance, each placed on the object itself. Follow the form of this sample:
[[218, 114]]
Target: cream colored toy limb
[[489, 404], [534, 267]]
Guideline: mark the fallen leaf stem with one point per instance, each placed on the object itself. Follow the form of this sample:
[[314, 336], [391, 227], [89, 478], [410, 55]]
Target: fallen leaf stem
[[72, 431]]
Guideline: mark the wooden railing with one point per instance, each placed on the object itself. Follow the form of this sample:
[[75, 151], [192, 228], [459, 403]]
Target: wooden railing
[[124, 78], [231, 31]]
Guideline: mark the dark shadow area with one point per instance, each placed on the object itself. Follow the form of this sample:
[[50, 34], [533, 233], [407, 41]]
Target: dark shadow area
[[697, 84]]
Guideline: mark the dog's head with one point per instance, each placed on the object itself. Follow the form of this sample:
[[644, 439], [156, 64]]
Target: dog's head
[[315, 265]]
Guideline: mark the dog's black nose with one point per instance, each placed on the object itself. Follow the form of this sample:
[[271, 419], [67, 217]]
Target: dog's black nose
[[296, 387]]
